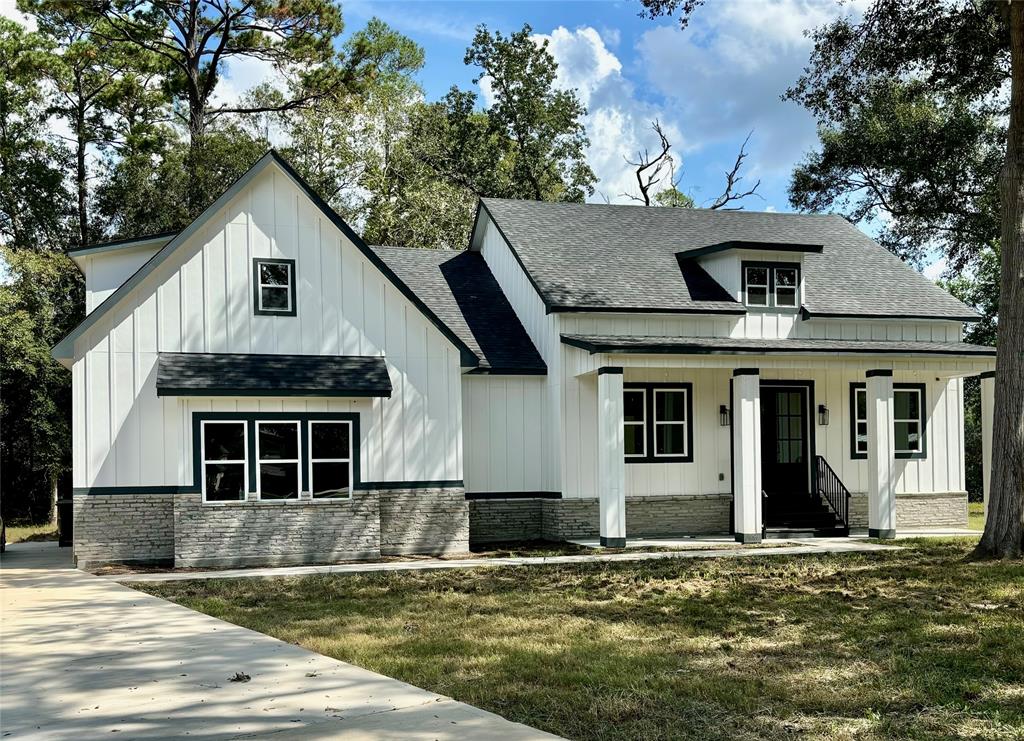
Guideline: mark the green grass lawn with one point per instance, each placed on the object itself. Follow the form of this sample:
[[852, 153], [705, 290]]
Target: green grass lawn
[[25, 533], [915, 643], [976, 515]]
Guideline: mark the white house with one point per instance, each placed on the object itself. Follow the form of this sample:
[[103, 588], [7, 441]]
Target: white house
[[263, 387]]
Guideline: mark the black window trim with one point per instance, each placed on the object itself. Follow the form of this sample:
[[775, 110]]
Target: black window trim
[[922, 454], [250, 419], [650, 424], [771, 267], [203, 461], [260, 461], [256, 262]]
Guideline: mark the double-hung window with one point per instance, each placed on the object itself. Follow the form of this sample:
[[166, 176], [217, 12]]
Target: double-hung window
[[277, 460], [274, 286], [657, 419], [330, 459], [224, 453], [908, 420], [771, 285]]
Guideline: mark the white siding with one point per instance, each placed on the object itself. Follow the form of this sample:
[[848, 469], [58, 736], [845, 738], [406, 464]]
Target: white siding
[[200, 300], [543, 329], [505, 432], [105, 271]]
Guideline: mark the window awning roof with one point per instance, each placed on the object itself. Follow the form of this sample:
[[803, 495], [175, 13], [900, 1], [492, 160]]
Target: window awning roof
[[737, 346], [216, 374]]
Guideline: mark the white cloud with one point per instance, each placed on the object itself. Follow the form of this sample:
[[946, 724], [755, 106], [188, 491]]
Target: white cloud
[[9, 9], [935, 270], [725, 72], [618, 123], [242, 74]]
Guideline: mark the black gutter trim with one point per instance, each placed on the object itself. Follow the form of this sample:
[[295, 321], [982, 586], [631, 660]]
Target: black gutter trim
[[987, 374], [121, 242], [746, 372], [808, 314], [760, 246], [468, 357], [610, 370], [488, 371], [312, 392], [594, 348], [562, 309], [879, 373], [475, 495]]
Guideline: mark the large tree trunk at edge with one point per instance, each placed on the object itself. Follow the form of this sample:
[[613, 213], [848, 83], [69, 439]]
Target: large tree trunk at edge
[[1004, 530]]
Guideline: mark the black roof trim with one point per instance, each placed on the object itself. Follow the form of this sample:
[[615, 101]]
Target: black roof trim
[[729, 346], [123, 242], [738, 311], [806, 313], [745, 245], [237, 374]]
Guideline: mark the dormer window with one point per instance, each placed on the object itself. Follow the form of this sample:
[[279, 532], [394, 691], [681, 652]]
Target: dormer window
[[767, 285], [273, 286]]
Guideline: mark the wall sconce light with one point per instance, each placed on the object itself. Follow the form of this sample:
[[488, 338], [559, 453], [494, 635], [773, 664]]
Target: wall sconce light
[[723, 415], [823, 415]]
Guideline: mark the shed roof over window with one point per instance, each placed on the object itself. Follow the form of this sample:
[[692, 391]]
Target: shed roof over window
[[216, 374]]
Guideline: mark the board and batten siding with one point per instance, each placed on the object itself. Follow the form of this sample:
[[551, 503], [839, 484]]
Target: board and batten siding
[[506, 433], [543, 329], [106, 271], [201, 300]]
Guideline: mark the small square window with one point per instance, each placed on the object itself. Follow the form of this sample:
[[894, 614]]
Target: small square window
[[274, 289]]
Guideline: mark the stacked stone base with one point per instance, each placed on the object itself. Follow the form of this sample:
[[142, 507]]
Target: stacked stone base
[[916, 510], [495, 520], [180, 530]]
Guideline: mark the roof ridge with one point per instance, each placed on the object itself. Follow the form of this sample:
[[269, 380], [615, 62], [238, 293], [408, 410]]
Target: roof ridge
[[531, 201]]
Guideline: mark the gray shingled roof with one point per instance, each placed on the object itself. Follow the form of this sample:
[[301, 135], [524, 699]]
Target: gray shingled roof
[[733, 346], [460, 289], [228, 374], [617, 258]]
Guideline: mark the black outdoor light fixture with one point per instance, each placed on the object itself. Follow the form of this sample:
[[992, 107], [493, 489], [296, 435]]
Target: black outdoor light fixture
[[822, 415], [723, 415]]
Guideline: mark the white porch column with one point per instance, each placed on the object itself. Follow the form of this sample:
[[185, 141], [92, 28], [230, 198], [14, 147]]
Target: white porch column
[[988, 390], [611, 457], [881, 455], [746, 459]]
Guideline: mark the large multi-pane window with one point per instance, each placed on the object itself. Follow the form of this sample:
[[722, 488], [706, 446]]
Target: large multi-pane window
[[276, 458], [223, 454], [908, 420], [771, 285], [657, 419]]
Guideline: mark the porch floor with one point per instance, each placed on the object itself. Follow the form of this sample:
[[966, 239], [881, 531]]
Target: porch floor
[[699, 542]]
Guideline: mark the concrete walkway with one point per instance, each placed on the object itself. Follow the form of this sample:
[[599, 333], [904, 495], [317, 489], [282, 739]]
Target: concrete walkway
[[698, 549], [82, 657]]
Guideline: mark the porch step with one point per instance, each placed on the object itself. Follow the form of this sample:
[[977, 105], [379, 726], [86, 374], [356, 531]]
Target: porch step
[[782, 533]]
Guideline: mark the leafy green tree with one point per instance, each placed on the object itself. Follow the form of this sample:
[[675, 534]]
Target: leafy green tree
[[673, 198], [34, 202], [543, 123], [40, 302]]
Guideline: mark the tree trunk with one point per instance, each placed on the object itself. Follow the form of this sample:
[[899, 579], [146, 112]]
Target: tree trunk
[[1004, 529], [80, 178]]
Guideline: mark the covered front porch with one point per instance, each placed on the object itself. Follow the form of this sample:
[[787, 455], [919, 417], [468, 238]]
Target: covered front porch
[[802, 443]]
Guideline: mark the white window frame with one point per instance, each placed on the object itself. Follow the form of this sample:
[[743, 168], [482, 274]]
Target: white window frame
[[684, 423], [916, 420], [767, 286], [260, 285], [312, 460], [795, 287], [857, 392], [642, 424], [279, 461], [204, 461]]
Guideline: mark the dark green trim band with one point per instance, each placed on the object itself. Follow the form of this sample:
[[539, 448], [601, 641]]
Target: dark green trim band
[[808, 314], [610, 370], [562, 309], [746, 372], [696, 349], [507, 372], [271, 393], [882, 534], [988, 374], [612, 542], [102, 491], [879, 373], [399, 485], [513, 495], [117, 244]]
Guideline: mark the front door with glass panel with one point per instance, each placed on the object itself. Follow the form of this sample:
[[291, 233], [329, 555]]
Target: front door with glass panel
[[784, 442]]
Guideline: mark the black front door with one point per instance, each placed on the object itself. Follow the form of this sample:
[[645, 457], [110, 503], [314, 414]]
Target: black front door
[[784, 443]]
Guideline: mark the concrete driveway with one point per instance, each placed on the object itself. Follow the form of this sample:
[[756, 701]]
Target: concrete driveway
[[83, 657]]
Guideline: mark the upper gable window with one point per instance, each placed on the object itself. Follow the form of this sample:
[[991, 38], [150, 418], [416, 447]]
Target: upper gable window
[[771, 285], [274, 286]]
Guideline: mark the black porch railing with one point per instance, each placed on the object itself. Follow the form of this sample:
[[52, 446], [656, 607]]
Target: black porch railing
[[829, 486]]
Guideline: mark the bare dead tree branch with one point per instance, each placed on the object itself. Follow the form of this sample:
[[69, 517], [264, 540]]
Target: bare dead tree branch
[[732, 193], [651, 170]]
